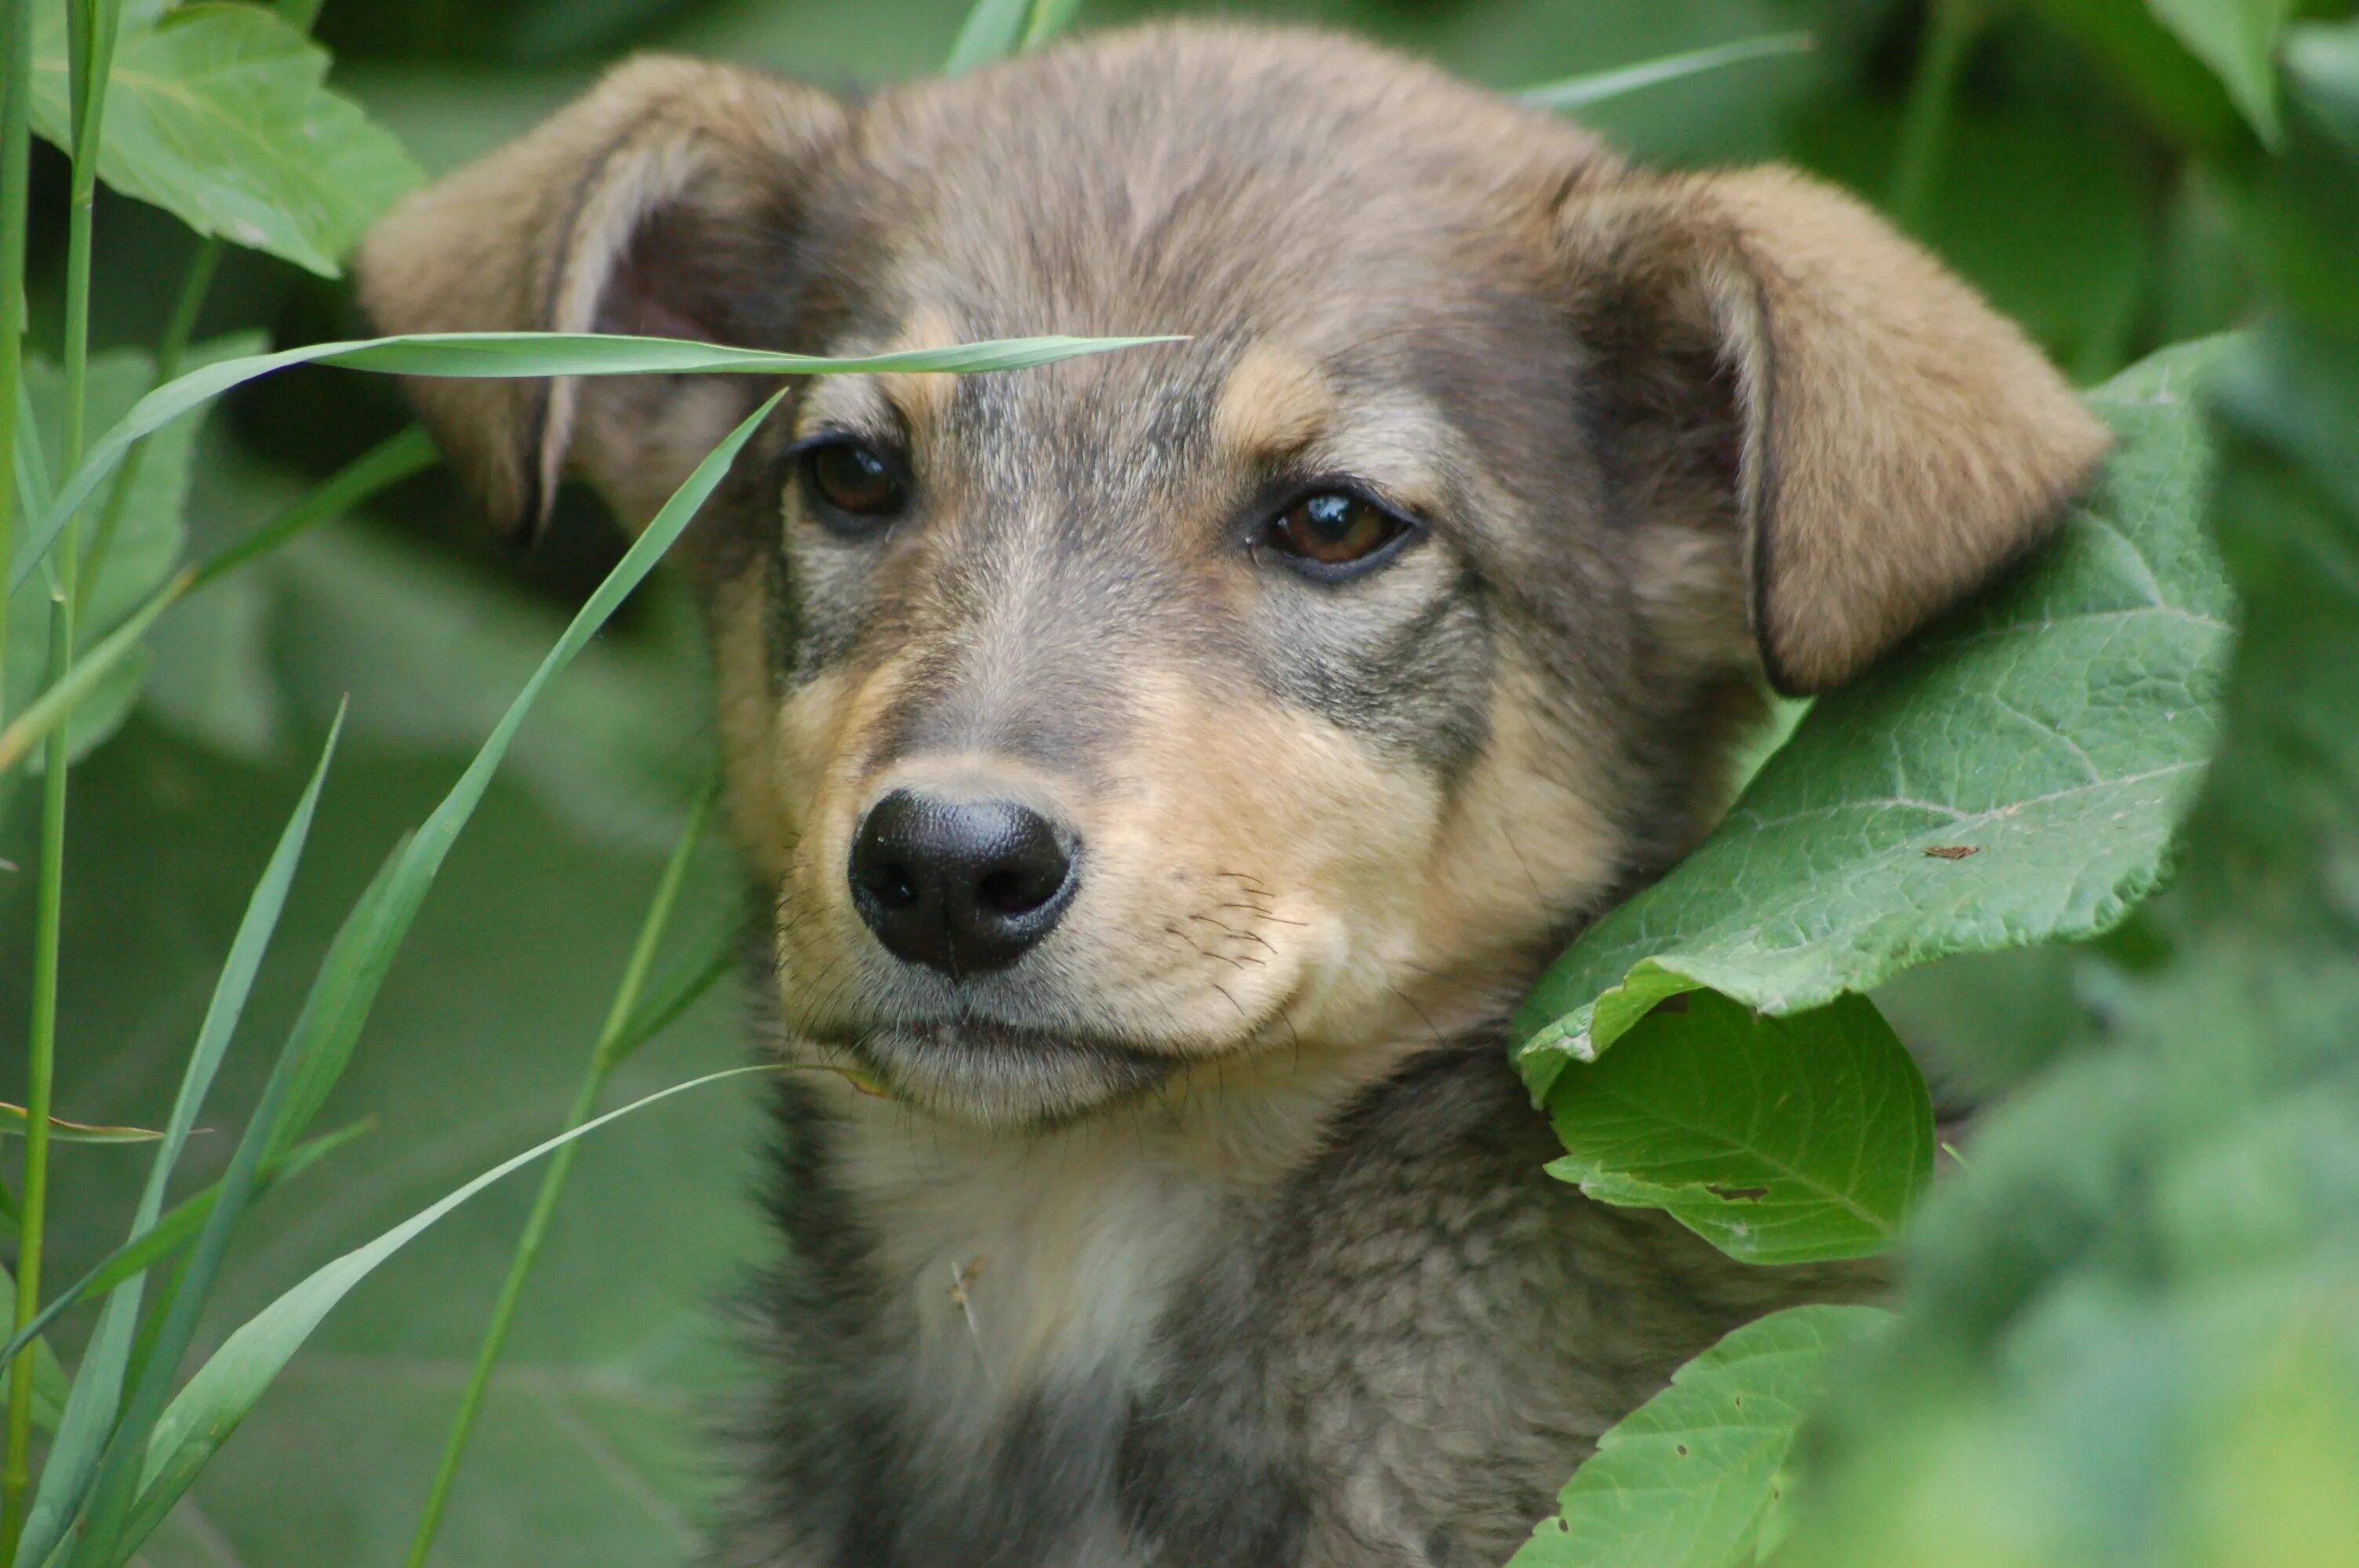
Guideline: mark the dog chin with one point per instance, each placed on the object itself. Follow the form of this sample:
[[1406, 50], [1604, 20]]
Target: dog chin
[[1000, 1075]]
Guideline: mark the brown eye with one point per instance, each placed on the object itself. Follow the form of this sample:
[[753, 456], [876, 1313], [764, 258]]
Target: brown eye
[[851, 479], [1333, 528]]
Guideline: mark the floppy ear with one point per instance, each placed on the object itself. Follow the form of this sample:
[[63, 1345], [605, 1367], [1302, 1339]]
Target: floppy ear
[[660, 204], [1885, 441]]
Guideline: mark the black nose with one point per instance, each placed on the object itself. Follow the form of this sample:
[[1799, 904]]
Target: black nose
[[959, 886]]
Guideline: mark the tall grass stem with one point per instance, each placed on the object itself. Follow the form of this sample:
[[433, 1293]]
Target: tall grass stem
[[16, 201], [40, 1096], [92, 38], [1951, 29], [613, 1044]]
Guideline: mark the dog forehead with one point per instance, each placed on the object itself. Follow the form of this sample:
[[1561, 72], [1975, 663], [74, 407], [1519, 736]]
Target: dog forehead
[[1216, 181]]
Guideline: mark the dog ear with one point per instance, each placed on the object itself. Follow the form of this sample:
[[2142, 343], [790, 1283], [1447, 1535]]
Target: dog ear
[[1885, 441], [657, 205]]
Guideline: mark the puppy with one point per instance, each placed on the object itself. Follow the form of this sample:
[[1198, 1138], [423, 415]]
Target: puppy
[[1167, 768]]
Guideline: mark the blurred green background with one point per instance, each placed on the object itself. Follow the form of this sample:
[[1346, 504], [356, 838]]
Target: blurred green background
[[2064, 188]]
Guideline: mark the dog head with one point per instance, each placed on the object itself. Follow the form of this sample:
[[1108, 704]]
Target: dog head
[[1286, 694]]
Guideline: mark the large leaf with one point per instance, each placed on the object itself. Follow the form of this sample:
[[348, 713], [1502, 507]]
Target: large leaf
[[1778, 1141], [1688, 1478], [2238, 40], [2011, 778], [217, 113]]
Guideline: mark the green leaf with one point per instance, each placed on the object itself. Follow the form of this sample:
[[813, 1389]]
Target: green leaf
[[496, 354], [217, 114], [1777, 1140], [1688, 1478], [1598, 86], [226, 1387], [145, 548], [2012, 777], [2324, 61], [2238, 39]]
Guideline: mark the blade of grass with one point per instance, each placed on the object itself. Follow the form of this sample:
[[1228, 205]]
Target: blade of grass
[[94, 27], [380, 468], [16, 203], [178, 1225], [1596, 87], [39, 1073], [531, 354], [991, 32], [12, 1125], [1050, 17], [51, 1388], [322, 1041], [604, 1055], [675, 994], [1951, 29], [226, 1387], [97, 1387]]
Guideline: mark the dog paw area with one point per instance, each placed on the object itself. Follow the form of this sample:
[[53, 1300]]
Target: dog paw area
[[1127, 784]]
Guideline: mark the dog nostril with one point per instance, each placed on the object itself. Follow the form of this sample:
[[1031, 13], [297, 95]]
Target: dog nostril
[[960, 886], [1015, 893]]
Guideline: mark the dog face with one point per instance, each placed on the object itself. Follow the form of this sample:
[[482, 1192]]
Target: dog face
[[1271, 701]]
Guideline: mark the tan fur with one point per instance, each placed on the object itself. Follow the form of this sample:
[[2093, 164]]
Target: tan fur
[[1273, 404], [1899, 438]]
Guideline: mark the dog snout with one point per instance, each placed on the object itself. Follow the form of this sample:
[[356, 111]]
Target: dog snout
[[960, 886]]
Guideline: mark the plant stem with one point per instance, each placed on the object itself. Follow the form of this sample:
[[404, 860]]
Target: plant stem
[[93, 56], [1950, 32], [40, 1076], [15, 198], [608, 1050], [169, 350]]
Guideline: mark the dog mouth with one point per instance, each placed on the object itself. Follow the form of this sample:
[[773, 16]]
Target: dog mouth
[[1002, 1073]]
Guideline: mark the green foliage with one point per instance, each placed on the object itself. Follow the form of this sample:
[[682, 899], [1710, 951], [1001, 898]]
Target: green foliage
[[144, 553], [1779, 1140], [2012, 778], [217, 114], [2238, 40], [2125, 1336], [1698, 1475]]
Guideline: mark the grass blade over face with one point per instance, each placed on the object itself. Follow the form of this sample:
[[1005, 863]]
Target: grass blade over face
[[498, 355]]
